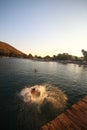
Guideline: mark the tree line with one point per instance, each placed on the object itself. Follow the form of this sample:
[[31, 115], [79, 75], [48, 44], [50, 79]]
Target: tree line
[[63, 56]]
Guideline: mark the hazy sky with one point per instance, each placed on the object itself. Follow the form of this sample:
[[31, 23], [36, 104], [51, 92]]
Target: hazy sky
[[44, 27]]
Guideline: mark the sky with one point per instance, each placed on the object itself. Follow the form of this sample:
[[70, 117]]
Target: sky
[[44, 27]]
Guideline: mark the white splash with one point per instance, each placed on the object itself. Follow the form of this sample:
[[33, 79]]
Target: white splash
[[42, 94], [28, 96]]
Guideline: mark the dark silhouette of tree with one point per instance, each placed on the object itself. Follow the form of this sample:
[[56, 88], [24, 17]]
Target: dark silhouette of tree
[[30, 56], [64, 56], [2, 52], [84, 54], [54, 58], [48, 58], [11, 54], [39, 57], [36, 56]]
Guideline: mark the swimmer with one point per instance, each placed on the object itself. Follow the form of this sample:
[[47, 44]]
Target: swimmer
[[35, 92], [35, 70]]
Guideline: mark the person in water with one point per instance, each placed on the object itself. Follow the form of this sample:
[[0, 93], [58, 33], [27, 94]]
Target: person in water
[[35, 92], [35, 70]]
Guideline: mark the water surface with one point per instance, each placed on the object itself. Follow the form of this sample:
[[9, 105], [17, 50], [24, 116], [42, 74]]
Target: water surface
[[15, 74]]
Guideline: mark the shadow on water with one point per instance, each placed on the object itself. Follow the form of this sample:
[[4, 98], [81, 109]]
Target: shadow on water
[[30, 118]]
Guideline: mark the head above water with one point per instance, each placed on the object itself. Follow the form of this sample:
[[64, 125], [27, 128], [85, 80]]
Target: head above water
[[35, 92]]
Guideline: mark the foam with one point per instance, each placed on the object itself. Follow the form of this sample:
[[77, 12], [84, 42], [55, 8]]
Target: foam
[[48, 93]]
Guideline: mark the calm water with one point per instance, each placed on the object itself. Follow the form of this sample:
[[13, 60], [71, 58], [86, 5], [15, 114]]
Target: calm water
[[15, 74]]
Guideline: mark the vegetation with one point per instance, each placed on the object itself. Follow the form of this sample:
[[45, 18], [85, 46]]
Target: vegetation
[[30, 56], [64, 56], [84, 54], [8, 50], [59, 57]]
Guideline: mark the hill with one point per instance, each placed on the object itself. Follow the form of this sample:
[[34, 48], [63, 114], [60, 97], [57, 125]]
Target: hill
[[10, 51]]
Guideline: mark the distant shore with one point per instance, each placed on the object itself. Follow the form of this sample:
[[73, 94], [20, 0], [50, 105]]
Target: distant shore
[[73, 62], [79, 62], [66, 61]]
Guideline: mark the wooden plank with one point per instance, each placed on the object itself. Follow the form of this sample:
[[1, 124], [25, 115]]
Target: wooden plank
[[44, 127], [74, 118], [50, 126], [68, 124], [83, 104], [57, 124], [79, 115], [81, 110], [78, 108], [85, 99]]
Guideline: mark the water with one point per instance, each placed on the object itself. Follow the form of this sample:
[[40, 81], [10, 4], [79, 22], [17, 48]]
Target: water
[[17, 75]]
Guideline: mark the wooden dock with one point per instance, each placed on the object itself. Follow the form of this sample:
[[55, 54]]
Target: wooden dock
[[74, 118]]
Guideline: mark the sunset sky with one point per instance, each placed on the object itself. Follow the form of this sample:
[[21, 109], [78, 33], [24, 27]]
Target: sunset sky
[[44, 27]]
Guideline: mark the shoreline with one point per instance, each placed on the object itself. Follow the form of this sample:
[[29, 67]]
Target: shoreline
[[79, 62]]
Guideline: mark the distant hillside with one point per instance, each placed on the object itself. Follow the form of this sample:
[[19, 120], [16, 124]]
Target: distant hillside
[[8, 50]]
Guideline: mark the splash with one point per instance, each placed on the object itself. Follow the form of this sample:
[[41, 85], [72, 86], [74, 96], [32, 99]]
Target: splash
[[35, 94], [44, 95]]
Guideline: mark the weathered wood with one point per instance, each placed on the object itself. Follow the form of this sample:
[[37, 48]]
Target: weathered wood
[[74, 118], [68, 124]]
